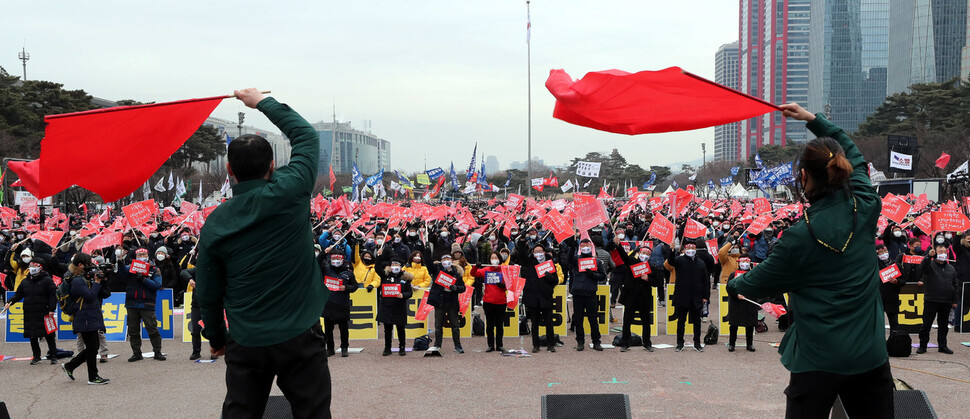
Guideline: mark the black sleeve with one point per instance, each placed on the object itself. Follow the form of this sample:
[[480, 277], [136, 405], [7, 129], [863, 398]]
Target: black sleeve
[[348, 280]]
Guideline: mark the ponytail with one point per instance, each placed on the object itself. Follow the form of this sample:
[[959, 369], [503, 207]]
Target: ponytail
[[839, 170], [824, 161]]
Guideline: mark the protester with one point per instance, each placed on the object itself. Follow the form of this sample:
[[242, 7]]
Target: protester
[[444, 299], [692, 290], [337, 310], [392, 306], [419, 272], [37, 292], [494, 301], [140, 303], [741, 313], [830, 310], [940, 291], [255, 256], [586, 273], [85, 282], [889, 289], [637, 293], [537, 294]]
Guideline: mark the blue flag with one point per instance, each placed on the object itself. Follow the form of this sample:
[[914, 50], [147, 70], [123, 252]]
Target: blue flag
[[454, 177], [435, 173], [674, 185], [725, 181], [710, 184], [356, 177], [734, 170], [653, 178], [471, 165], [481, 175], [758, 162], [404, 180], [374, 180], [509, 180]]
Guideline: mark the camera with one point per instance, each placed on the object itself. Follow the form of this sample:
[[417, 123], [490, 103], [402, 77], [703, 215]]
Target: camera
[[93, 272]]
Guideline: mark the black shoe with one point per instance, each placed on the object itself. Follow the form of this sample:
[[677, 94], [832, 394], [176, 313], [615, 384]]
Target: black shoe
[[194, 356], [679, 348], [750, 348], [159, 357], [597, 347], [387, 351], [946, 350], [459, 350], [103, 360], [344, 353], [34, 361], [536, 349], [98, 381], [402, 352], [730, 347], [68, 371], [580, 347], [53, 361], [136, 357], [921, 350], [551, 348], [330, 352], [698, 348], [624, 348], [213, 357], [649, 348], [492, 349]]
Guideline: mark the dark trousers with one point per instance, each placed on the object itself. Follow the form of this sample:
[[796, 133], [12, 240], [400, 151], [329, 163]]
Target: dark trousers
[[136, 317], [682, 315], [400, 335], [451, 312], [494, 324], [939, 311], [865, 395], [196, 330], [299, 366], [538, 316], [616, 282], [748, 336], [584, 307], [630, 313], [51, 346], [89, 355], [343, 325], [893, 320]]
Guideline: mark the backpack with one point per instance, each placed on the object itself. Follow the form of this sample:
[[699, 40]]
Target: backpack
[[899, 344], [635, 340], [544, 341], [69, 304], [711, 337], [421, 343], [478, 326]]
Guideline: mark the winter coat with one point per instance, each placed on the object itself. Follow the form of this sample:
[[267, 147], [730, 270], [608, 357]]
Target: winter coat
[[538, 291], [635, 291], [420, 274], [365, 274], [89, 317], [888, 291], [729, 262], [693, 279], [440, 297], [939, 282], [338, 305], [584, 282], [38, 294], [492, 293], [741, 313], [393, 310], [140, 290]]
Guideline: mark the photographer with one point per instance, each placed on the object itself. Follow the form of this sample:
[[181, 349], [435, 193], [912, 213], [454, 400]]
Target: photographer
[[85, 280]]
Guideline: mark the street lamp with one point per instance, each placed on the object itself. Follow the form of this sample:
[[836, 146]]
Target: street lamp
[[242, 117]]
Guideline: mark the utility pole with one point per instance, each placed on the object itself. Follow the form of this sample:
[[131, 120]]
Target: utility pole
[[24, 56], [528, 46], [242, 117], [704, 151]]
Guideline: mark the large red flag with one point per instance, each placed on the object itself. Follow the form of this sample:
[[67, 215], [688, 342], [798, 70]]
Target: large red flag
[[649, 101], [943, 161], [111, 152]]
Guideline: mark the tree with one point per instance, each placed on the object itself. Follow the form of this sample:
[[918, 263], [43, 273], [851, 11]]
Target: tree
[[663, 172], [203, 146], [773, 155]]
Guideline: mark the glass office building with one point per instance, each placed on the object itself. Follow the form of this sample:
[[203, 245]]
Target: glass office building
[[926, 42]]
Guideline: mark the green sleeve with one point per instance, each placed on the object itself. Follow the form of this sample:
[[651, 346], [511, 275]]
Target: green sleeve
[[859, 180], [301, 172], [210, 290], [776, 275]]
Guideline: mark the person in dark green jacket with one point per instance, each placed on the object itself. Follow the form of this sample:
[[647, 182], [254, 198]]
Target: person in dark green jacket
[[256, 262], [825, 262]]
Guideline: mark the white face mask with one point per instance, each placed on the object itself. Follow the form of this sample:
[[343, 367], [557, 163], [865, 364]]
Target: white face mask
[[621, 236], [898, 233], [395, 269], [119, 252], [336, 262], [26, 259], [735, 252], [416, 260], [397, 240], [370, 241], [185, 237], [444, 234], [690, 252], [941, 257], [34, 270], [586, 250], [643, 257], [939, 239], [496, 262], [883, 256], [143, 259], [73, 233], [744, 266], [513, 232], [726, 227], [715, 224], [948, 236], [380, 242], [492, 238], [412, 234], [446, 264], [160, 257], [337, 237], [540, 256]]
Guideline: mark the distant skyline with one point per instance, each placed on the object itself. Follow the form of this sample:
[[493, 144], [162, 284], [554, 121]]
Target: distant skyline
[[433, 77]]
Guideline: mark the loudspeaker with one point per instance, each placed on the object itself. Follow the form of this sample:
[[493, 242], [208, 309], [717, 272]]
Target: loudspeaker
[[906, 404], [587, 406]]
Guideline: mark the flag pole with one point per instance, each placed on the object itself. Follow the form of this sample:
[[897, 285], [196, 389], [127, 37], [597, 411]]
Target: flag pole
[[528, 45]]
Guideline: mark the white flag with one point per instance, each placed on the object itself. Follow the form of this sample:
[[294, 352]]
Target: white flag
[[225, 186], [145, 191], [693, 176], [962, 170], [160, 186], [900, 161], [587, 183], [567, 186], [171, 181], [180, 188], [588, 169], [537, 181], [395, 186], [875, 175]]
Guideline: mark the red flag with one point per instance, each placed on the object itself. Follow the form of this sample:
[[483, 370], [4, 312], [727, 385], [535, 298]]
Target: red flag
[[774, 310], [333, 179], [648, 101], [140, 212], [120, 147], [943, 161], [17, 183], [102, 241], [694, 229], [49, 237], [662, 229]]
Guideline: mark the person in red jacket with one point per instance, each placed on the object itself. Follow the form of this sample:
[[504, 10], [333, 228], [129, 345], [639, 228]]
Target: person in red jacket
[[493, 300]]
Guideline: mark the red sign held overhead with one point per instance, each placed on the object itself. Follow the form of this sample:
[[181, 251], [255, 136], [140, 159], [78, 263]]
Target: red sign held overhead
[[514, 201], [694, 229], [924, 222], [51, 238], [102, 241], [712, 249], [949, 221], [589, 214], [759, 224], [186, 207], [662, 229], [895, 208], [761, 206], [140, 212]]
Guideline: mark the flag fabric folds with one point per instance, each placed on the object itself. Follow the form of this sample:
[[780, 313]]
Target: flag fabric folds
[[648, 101], [121, 147]]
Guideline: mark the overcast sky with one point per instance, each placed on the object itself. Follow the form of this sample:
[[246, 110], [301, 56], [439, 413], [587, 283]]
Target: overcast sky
[[433, 77]]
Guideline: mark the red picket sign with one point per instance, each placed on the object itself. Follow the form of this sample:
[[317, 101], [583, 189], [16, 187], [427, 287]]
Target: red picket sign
[[50, 324], [890, 272], [513, 202], [694, 229], [51, 238], [589, 214], [912, 259], [662, 229], [333, 284], [895, 208], [139, 268], [640, 269], [187, 207], [102, 241], [444, 280], [761, 205], [423, 308], [881, 225], [387, 290], [924, 222], [140, 212], [3, 281], [57, 280], [545, 267], [759, 224], [948, 221], [587, 264]]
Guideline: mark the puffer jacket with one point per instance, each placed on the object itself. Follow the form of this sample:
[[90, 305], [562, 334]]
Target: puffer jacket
[[140, 290], [38, 295]]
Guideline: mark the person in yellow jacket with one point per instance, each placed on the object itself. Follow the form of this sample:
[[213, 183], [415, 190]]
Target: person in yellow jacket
[[459, 257], [20, 266], [364, 269], [417, 269], [728, 256]]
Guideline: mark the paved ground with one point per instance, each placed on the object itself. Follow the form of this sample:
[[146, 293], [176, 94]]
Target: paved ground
[[660, 384]]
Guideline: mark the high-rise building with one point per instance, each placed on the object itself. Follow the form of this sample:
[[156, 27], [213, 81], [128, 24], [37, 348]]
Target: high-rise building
[[773, 65], [726, 74], [491, 164], [848, 59], [351, 145], [965, 61], [926, 39]]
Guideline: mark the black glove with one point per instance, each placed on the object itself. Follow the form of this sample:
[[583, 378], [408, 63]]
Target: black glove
[[370, 288], [453, 287]]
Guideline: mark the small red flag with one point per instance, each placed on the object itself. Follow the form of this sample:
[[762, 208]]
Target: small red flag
[[333, 179], [943, 161], [120, 147], [649, 101]]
